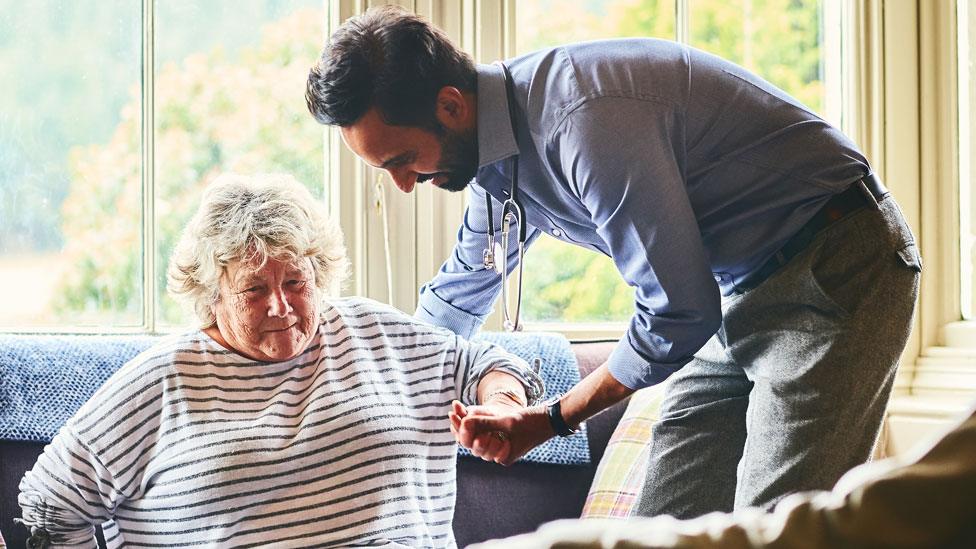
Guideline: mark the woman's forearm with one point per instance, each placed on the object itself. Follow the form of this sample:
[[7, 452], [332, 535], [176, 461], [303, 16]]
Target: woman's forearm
[[501, 386], [63, 497]]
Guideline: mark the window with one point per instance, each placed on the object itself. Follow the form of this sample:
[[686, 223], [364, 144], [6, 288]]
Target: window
[[90, 203], [781, 40]]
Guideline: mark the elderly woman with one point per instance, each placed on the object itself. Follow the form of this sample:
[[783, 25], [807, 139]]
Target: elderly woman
[[287, 419]]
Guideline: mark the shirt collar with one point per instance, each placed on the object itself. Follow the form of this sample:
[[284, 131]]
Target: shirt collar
[[495, 138]]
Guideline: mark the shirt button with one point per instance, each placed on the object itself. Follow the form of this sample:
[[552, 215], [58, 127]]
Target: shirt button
[[557, 233]]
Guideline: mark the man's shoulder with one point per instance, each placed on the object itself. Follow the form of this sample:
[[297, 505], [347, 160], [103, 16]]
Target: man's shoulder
[[571, 75], [362, 311]]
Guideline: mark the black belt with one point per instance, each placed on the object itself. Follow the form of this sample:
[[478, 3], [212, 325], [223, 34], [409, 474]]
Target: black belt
[[869, 191]]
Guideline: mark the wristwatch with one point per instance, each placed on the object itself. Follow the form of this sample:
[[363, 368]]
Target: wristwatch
[[556, 420]]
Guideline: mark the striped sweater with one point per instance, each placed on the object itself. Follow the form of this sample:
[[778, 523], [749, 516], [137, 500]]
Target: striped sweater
[[347, 444]]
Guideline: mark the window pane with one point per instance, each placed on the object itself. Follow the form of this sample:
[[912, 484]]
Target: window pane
[[69, 110], [779, 40], [967, 149], [566, 283], [229, 96]]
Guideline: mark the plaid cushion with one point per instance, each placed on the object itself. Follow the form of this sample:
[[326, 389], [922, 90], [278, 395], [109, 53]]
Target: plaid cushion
[[620, 474]]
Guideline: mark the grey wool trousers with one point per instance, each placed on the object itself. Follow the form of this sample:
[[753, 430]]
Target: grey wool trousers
[[790, 392]]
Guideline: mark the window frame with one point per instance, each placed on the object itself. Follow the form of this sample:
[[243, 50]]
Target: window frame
[[149, 166]]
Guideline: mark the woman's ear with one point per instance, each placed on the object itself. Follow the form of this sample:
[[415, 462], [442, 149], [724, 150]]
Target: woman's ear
[[453, 110]]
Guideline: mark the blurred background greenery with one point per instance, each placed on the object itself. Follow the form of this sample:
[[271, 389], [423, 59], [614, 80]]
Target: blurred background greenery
[[228, 92]]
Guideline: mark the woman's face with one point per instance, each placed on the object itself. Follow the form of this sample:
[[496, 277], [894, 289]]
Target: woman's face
[[267, 313]]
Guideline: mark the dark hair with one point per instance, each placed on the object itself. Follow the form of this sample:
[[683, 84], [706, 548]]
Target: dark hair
[[389, 58]]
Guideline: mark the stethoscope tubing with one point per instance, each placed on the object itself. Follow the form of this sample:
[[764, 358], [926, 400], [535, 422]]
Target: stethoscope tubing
[[512, 211]]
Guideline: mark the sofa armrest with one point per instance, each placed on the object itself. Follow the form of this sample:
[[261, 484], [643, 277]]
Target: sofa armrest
[[15, 459]]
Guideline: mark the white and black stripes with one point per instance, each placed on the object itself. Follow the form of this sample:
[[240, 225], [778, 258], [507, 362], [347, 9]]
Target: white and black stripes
[[346, 444]]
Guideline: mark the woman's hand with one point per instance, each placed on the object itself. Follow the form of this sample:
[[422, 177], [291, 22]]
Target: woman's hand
[[499, 430]]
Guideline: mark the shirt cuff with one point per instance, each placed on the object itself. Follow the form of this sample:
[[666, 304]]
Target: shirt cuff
[[434, 310], [636, 372]]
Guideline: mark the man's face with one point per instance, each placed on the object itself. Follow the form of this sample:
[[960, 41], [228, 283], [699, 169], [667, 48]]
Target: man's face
[[267, 312], [448, 159]]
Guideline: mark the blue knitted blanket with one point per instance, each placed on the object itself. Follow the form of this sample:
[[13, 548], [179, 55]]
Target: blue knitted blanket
[[560, 372], [44, 379]]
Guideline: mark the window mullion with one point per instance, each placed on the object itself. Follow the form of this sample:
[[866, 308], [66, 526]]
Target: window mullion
[[682, 21], [148, 169]]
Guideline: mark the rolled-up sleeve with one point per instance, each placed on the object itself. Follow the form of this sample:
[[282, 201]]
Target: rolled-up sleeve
[[68, 492], [632, 184], [463, 292]]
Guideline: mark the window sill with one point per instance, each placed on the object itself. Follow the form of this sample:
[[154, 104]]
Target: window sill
[[913, 420], [960, 335], [943, 386], [581, 331]]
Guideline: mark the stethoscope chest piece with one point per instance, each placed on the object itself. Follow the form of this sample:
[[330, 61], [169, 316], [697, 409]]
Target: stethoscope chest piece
[[498, 262]]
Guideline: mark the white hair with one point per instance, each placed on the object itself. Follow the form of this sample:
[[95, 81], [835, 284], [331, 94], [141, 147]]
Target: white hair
[[245, 218]]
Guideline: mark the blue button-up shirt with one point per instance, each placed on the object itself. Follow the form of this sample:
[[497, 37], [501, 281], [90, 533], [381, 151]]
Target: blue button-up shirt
[[687, 170]]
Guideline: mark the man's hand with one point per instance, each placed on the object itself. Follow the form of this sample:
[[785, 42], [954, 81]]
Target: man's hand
[[498, 431], [505, 431]]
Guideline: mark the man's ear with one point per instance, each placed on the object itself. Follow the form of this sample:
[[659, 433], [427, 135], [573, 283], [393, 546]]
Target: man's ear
[[453, 111]]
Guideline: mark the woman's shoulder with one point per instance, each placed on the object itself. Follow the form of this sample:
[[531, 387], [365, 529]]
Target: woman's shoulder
[[167, 352], [155, 364], [135, 386]]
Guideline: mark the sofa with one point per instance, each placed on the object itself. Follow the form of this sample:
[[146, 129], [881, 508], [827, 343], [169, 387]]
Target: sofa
[[492, 501]]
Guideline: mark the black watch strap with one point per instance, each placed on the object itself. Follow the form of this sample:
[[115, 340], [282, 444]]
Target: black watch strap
[[559, 425]]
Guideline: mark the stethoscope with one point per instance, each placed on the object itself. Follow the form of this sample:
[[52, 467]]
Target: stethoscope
[[512, 213]]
